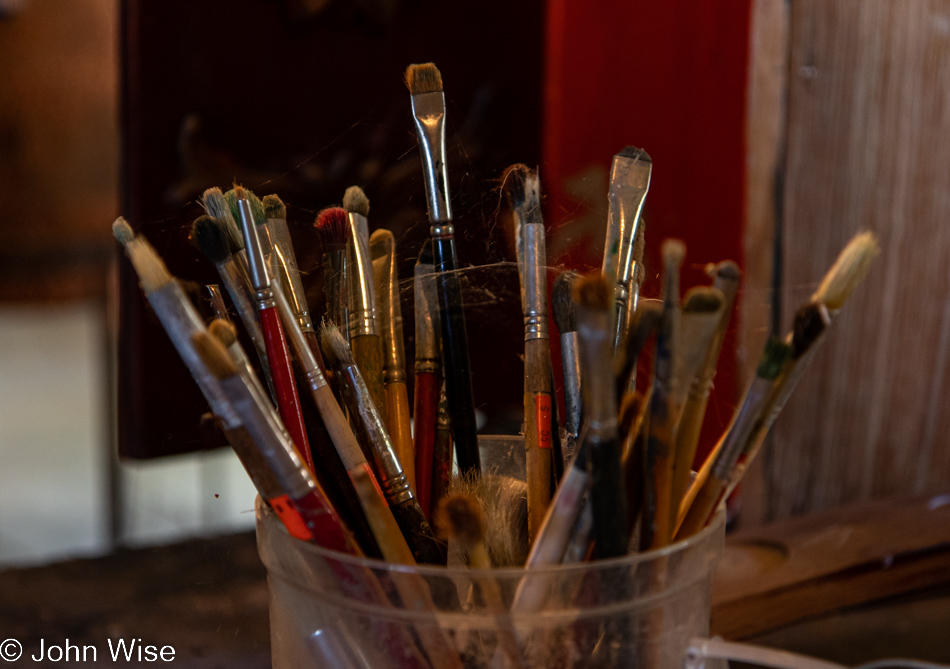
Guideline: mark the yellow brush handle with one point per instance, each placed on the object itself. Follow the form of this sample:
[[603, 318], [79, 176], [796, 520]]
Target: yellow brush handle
[[368, 355], [400, 428]]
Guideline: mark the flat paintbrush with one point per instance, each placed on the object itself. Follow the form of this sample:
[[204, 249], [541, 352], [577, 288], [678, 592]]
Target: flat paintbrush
[[278, 357], [565, 316], [656, 529], [523, 192], [428, 111], [427, 376], [370, 429], [382, 250], [629, 183]]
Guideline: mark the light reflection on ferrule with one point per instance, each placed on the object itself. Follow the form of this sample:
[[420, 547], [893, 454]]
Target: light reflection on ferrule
[[394, 375], [316, 379], [265, 298], [535, 327], [427, 366], [396, 489], [441, 230], [362, 323]]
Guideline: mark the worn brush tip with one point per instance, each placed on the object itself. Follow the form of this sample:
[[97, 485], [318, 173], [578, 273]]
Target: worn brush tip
[[459, 516], [593, 291], [702, 299], [332, 227], [213, 355], [239, 192], [274, 207], [514, 183], [849, 269], [423, 78], [211, 238], [334, 346], [381, 243], [774, 357], [214, 203], [355, 201], [635, 154], [223, 331], [425, 253], [122, 231], [562, 299], [673, 252], [811, 320]]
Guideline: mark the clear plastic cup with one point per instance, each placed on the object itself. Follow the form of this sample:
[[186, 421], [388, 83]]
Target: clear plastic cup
[[334, 610]]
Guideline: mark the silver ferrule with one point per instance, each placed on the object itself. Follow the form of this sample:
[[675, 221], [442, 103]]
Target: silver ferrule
[[428, 111], [750, 412], [629, 183], [181, 320], [260, 277], [596, 352], [262, 425], [571, 365], [534, 283], [361, 296], [293, 331], [265, 297], [388, 307], [428, 323], [369, 425]]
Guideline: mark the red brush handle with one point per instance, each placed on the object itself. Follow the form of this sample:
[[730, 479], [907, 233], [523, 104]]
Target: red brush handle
[[325, 526], [424, 414], [288, 402]]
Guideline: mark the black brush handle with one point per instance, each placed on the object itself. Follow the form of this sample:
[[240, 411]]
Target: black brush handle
[[457, 369], [418, 533], [609, 500]]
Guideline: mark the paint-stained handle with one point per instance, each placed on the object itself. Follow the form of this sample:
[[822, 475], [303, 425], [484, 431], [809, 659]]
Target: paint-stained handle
[[288, 401], [426, 549], [368, 355], [400, 428], [424, 412]]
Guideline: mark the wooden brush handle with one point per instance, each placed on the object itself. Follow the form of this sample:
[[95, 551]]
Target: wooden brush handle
[[400, 428], [538, 447], [288, 402], [424, 412], [457, 368], [687, 438], [702, 508], [416, 529], [368, 355]]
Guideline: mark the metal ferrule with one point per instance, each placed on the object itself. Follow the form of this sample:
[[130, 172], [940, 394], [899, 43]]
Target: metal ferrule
[[294, 333], [534, 283], [370, 427], [257, 265], [596, 350], [389, 309], [428, 111], [290, 278], [742, 426], [428, 322], [571, 365], [236, 281], [441, 230], [361, 295], [629, 183], [181, 320], [265, 298], [277, 449], [217, 301]]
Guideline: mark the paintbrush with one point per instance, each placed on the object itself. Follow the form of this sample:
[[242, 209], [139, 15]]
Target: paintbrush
[[278, 357], [523, 192], [713, 478], [427, 372], [428, 111], [364, 328], [333, 231], [212, 238], [218, 307], [459, 516], [608, 499], [629, 183], [504, 502], [382, 250], [702, 313], [371, 431], [225, 332], [565, 316], [656, 529], [726, 277], [442, 450], [642, 325], [216, 206]]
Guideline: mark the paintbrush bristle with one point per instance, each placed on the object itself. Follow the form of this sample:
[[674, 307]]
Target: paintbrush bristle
[[562, 299], [593, 292], [223, 331], [811, 321], [355, 201], [504, 503], [122, 231], [334, 346], [214, 355], [673, 251], [702, 299], [274, 207], [423, 78], [217, 207], [523, 191], [257, 207], [774, 357], [211, 238], [332, 228], [849, 269], [459, 516], [513, 184]]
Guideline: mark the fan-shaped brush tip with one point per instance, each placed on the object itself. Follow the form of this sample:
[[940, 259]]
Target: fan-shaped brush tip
[[122, 231]]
